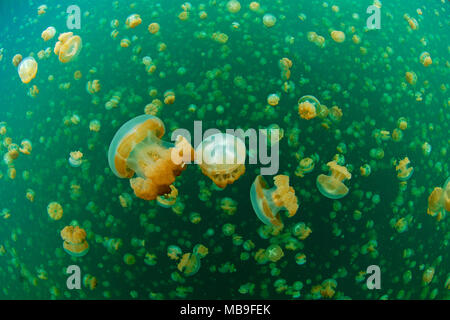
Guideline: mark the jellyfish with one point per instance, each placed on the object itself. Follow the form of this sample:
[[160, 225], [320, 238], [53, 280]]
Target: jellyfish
[[327, 288], [338, 36], [76, 159], [129, 259], [300, 258], [307, 107], [169, 199], [169, 97], [428, 275], [42, 9], [274, 253], [254, 6], [273, 99], [301, 230], [16, 60], [153, 28], [30, 195], [200, 250], [306, 165], [150, 259], [269, 20], [439, 201], [90, 281], [425, 59], [133, 20], [75, 242], [332, 186], [68, 47], [137, 148], [93, 86], [411, 77], [222, 158], [48, 33], [233, 6], [267, 202], [365, 170], [55, 210], [228, 205], [404, 170], [173, 252], [27, 69], [189, 264]]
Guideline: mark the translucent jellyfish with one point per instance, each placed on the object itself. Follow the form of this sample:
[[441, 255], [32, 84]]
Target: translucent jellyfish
[[55, 210], [267, 202], [439, 201], [273, 99], [189, 264], [48, 33], [425, 59], [93, 86], [428, 275], [76, 159], [133, 20], [90, 281], [301, 230], [30, 195], [153, 28], [307, 107], [42, 9], [169, 199], [300, 258], [137, 148], [222, 158], [150, 259], [404, 170], [306, 165], [332, 186], [169, 97], [27, 69], [254, 6], [200, 250], [365, 170], [94, 125], [274, 253], [233, 6], [68, 47], [338, 36], [129, 259], [411, 77], [75, 242], [328, 288], [16, 59], [228, 205], [269, 20], [174, 252]]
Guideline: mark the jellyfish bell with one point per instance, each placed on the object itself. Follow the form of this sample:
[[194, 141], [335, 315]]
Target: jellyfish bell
[[27, 69], [137, 148], [68, 47], [222, 158], [48, 33], [268, 202], [75, 242], [332, 186], [404, 169], [308, 107]]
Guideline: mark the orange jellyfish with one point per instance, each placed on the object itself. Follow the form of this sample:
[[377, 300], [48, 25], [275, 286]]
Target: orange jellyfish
[[273, 99], [425, 59], [17, 59], [189, 264], [404, 171], [439, 201], [169, 199], [27, 69], [48, 33], [267, 202], [222, 158], [411, 77], [133, 20], [68, 47], [75, 242], [55, 210], [153, 28], [338, 36], [332, 186], [137, 148], [307, 107]]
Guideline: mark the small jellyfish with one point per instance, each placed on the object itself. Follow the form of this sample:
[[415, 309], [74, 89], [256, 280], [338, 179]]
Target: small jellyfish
[[221, 158], [404, 170], [174, 252], [273, 99], [68, 47], [90, 281], [274, 253], [332, 186], [428, 275], [300, 258], [307, 107], [228, 205], [338, 36], [169, 199], [48, 33], [93, 86], [269, 20], [42, 9], [75, 242], [306, 165], [27, 69], [55, 210], [189, 264], [16, 60], [133, 20], [137, 148], [200, 250], [76, 159], [153, 28], [129, 259], [425, 59], [150, 259], [267, 202], [233, 6], [411, 77]]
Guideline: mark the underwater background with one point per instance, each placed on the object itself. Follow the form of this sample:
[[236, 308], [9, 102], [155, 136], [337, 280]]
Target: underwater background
[[383, 96]]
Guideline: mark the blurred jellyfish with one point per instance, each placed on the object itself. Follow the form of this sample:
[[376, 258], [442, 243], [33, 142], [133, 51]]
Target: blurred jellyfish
[[228, 205], [267, 202], [133, 20], [137, 148], [169, 199], [222, 158], [404, 170], [48, 33], [55, 210], [68, 47], [332, 186], [75, 242], [27, 69], [189, 264], [269, 20], [76, 159], [174, 252], [153, 28], [307, 106]]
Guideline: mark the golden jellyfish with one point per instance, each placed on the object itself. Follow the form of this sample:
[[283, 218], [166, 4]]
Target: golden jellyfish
[[306, 165], [153, 28], [16, 59], [30, 195], [26, 147], [169, 199], [48, 33], [338, 36], [428, 275], [307, 107], [90, 281], [93, 86], [269, 20], [33, 91], [75, 242], [76, 159], [439, 201], [27, 69], [425, 59], [254, 6], [273, 99], [55, 210], [42, 9], [402, 123], [68, 47], [411, 77], [447, 195], [133, 20], [169, 97], [228, 205], [285, 66], [94, 125], [268, 202], [189, 264], [77, 75], [332, 186], [184, 15], [222, 158], [404, 170], [233, 6], [137, 148]]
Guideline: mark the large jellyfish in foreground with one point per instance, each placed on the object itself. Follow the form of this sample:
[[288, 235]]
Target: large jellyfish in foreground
[[267, 202], [27, 69], [332, 186], [137, 148], [222, 158], [439, 201]]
